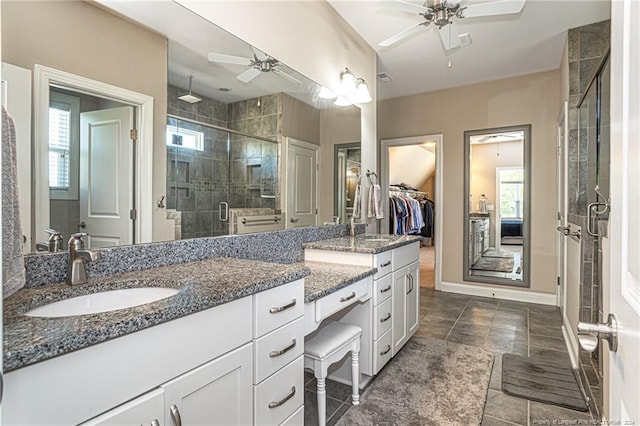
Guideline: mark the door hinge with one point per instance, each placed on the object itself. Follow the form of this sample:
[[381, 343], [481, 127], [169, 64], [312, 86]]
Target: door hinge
[[558, 281], [133, 134], [133, 214], [316, 211]]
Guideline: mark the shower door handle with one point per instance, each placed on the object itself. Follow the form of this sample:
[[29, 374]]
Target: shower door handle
[[224, 207]]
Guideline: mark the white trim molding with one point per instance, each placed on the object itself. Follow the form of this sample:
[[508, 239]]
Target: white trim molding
[[44, 78], [571, 340], [500, 293]]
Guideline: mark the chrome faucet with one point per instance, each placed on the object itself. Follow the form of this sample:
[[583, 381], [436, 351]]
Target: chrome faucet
[[53, 244], [78, 256]]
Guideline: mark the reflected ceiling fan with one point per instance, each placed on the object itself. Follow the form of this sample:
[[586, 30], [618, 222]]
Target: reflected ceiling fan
[[260, 63], [440, 14]]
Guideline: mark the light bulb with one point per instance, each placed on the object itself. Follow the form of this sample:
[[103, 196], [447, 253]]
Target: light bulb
[[348, 84], [362, 95]]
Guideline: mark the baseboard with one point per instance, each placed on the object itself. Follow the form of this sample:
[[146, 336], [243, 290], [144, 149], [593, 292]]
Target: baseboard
[[571, 340], [499, 293]]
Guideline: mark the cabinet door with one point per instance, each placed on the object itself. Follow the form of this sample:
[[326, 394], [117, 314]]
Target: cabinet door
[[216, 393], [147, 410], [413, 299], [399, 296]]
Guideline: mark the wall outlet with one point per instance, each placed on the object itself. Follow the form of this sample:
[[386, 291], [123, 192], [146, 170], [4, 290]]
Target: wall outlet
[[490, 207]]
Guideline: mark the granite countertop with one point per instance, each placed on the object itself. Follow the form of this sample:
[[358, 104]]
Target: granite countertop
[[327, 278], [203, 284], [370, 243]]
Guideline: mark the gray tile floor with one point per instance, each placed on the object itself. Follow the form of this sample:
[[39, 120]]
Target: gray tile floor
[[497, 325]]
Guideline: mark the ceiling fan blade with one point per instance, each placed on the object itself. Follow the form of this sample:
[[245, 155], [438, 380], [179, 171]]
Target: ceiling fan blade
[[402, 35], [403, 6], [501, 7], [259, 54], [285, 75], [229, 59], [249, 75], [449, 36]]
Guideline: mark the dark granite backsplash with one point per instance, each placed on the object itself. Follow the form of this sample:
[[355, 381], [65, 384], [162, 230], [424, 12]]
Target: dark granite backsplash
[[277, 246]]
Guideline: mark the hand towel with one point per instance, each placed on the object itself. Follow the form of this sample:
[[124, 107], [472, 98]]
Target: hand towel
[[357, 205], [13, 276], [375, 209]]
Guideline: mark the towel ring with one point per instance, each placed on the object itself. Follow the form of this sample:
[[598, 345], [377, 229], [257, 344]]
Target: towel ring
[[369, 174]]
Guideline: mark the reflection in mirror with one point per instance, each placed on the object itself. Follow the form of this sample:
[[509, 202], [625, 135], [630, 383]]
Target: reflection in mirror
[[226, 127], [497, 200], [348, 171]]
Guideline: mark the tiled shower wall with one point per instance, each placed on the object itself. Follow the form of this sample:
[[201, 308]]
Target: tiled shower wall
[[245, 177], [587, 46]]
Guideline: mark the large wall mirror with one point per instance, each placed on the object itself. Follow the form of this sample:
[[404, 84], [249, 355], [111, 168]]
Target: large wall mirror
[[231, 111], [496, 217], [347, 176]]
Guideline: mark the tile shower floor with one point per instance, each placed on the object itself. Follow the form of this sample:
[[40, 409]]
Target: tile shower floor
[[497, 325]]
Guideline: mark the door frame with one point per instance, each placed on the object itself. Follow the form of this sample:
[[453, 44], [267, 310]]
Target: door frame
[[44, 78], [562, 204], [438, 138], [284, 201]]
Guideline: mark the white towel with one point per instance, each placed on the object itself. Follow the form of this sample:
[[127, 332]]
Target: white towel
[[375, 203], [357, 206], [13, 276]]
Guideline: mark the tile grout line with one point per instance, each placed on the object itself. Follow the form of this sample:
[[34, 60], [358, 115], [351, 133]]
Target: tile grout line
[[457, 319]]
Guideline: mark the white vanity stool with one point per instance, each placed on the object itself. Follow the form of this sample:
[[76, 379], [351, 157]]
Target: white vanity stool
[[329, 345]]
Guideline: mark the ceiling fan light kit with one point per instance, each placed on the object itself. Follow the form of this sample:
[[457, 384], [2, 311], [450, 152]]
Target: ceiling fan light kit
[[441, 12]]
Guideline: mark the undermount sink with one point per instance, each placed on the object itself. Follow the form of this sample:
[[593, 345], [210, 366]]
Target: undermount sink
[[102, 302]]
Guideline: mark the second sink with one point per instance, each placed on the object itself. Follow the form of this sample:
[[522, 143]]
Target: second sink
[[102, 302]]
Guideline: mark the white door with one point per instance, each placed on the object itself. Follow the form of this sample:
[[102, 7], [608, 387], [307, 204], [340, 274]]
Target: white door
[[302, 177], [623, 289], [106, 176], [562, 204], [219, 392]]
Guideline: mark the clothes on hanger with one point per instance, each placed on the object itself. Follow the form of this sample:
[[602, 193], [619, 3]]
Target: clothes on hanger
[[405, 214]]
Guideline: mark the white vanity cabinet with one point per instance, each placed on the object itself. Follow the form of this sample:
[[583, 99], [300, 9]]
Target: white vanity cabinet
[[395, 297], [211, 367]]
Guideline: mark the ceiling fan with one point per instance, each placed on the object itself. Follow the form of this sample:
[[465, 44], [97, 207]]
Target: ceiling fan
[[441, 12], [260, 63]]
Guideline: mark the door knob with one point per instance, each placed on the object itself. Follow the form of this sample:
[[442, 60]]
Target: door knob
[[589, 334], [82, 225], [564, 229], [294, 219]]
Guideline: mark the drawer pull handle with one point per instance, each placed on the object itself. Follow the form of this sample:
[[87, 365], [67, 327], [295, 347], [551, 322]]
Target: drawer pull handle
[[349, 297], [386, 350], [387, 263], [274, 354], [283, 308], [386, 289], [283, 400], [175, 415], [386, 318]]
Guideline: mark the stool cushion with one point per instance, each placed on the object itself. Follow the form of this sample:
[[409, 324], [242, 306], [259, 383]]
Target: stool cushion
[[330, 338]]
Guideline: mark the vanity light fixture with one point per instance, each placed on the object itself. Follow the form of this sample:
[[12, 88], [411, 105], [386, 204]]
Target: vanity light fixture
[[326, 93], [352, 90]]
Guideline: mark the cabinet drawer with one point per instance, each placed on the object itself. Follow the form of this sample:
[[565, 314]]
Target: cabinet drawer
[[280, 395], [142, 410], [337, 301], [278, 306], [296, 419], [382, 318], [403, 256], [382, 351], [384, 262], [382, 289], [277, 349]]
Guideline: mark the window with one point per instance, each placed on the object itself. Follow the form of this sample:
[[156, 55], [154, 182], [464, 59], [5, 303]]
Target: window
[[185, 138], [511, 193], [64, 129]]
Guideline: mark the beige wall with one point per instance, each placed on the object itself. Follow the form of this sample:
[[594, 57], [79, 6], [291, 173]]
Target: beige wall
[[300, 121], [526, 99], [484, 161], [337, 126], [81, 39], [411, 164]]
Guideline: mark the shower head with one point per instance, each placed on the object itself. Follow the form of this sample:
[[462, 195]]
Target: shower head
[[192, 99]]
